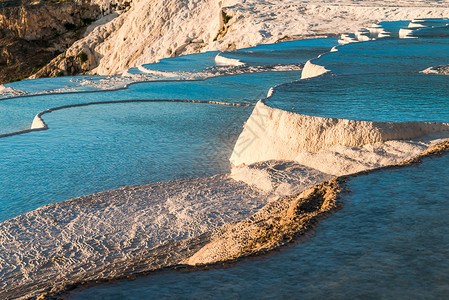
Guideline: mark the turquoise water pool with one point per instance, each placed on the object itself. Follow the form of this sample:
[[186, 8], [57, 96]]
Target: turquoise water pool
[[96, 148], [386, 56], [248, 88]]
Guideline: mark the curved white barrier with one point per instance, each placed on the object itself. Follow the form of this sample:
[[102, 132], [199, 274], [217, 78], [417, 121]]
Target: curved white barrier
[[157, 73]]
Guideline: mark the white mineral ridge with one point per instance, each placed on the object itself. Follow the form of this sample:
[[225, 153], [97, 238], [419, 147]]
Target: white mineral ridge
[[157, 29], [9, 91], [442, 70], [157, 73], [331, 145]]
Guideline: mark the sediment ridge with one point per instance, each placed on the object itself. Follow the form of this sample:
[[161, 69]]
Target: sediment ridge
[[277, 224], [442, 70]]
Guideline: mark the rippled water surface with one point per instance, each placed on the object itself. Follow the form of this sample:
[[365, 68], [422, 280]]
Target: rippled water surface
[[387, 56], [389, 241], [248, 88], [382, 97]]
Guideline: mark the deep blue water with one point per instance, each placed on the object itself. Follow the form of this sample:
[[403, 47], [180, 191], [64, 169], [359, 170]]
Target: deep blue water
[[387, 56], [101, 147]]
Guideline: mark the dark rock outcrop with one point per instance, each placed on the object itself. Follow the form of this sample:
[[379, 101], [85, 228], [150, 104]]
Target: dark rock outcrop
[[32, 34]]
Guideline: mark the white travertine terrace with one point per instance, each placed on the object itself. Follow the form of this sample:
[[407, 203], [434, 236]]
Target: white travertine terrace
[[146, 227], [85, 238], [338, 146]]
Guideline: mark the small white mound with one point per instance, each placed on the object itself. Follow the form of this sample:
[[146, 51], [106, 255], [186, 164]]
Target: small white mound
[[347, 38], [430, 70], [442, 70], [406, 33], [157, 73], [311, 70], [225, 61], [38, 123]]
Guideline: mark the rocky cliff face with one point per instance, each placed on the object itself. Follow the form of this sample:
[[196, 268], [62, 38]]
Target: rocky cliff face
[[31, 34]]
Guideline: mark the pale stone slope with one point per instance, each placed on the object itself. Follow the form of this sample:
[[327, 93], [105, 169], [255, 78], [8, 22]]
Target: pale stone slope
[[156, 29]]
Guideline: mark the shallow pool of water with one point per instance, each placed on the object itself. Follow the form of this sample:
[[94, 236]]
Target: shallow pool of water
[[283, 53], [18, 113], [387, 56]]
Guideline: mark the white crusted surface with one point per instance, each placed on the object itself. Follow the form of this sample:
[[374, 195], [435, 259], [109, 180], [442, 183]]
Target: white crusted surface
[[9, 91], [80, 238]]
